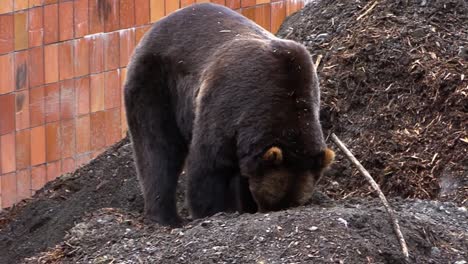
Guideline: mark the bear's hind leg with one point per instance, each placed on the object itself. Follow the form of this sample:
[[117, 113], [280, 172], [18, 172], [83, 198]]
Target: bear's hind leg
[[159, 147]]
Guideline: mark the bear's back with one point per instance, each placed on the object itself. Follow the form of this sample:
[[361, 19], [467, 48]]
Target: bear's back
[[190, 35]]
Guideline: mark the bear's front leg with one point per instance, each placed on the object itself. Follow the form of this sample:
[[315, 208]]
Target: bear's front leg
[[208, 190]]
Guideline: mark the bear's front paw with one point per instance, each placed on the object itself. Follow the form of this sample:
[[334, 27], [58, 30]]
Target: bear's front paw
[[165, 220]]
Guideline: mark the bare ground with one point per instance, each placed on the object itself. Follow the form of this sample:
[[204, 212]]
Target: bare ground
[[354, 231]]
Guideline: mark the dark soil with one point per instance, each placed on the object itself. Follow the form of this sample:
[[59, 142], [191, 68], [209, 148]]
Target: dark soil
[[394, 89], [34, 225], [353, 232]]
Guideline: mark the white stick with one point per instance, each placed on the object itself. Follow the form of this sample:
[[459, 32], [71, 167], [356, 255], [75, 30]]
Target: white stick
[[365, 173], [367, 11]]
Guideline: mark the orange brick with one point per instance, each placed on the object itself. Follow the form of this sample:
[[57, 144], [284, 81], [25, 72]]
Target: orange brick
[[66, 59], [7, 113], [38, 145], [111, 51], [81, 18], [127, 13], [37, 106], [83, 134], [21, 4], [97, 92], [96, 24], [111, 23], [123, 119], [6, 7], [53, 140], [98, 132], [247, 3], [38, 177], [21, 30], [23, 149], [68, 165], [292, 6], [46, 2], [67, 99], [278, 14], [21, 70], [82, 160], [7, 31], [54, 170], [36, 66], [140, 32], [51, 26], [6, 73], [263, 16], [233, 4], [112, 127], [171, 6], [65, 21], [142, 12], [219, 2], [156, 10], [51, 63], [68, 136], [23, 184], [36, 26], [34, 3], [112, 89], [127, 45], [7, 153], [81, 62], [249, 13], [123, 123], [52, 102], [184, 3], [9, 194], [123, 78], [22, 110], [96, 54], [82, 95]]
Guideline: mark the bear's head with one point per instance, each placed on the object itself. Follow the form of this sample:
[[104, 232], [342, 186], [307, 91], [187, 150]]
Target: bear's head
[[277, 182]]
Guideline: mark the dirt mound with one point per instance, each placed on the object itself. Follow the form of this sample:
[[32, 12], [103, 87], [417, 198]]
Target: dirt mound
[[394, 79], [353, 232], [34, 225]]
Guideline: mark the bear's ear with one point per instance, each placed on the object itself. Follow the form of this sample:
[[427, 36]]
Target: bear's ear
[[328, 157], [273, 154]]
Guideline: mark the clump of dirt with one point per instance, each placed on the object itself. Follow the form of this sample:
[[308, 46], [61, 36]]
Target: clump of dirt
[[394, 81], [352, 232]]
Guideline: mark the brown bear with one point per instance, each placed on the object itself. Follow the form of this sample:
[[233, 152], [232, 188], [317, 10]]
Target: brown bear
[[208, 88]]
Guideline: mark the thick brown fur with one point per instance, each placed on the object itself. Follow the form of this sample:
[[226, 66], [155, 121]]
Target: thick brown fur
[[209, 87]]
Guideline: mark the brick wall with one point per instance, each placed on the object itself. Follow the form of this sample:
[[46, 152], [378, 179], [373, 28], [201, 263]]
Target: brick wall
[[62, 65]]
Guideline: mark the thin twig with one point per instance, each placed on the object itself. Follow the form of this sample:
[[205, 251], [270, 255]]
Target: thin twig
[[365, 173], [367, 11], [317, 62]]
